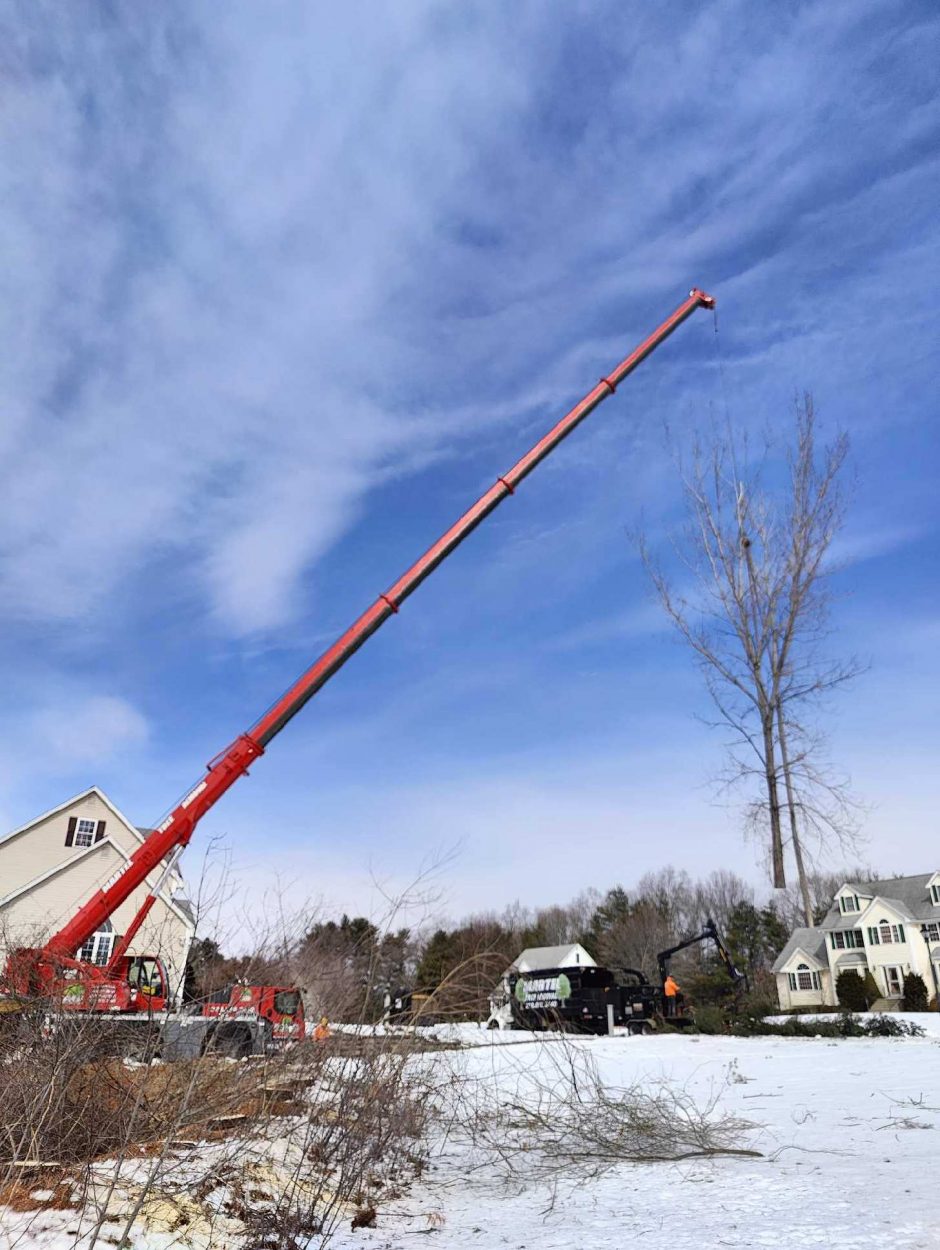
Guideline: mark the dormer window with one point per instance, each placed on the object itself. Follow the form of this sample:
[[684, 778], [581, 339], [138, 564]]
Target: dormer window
[[849, 903], [935, 894]]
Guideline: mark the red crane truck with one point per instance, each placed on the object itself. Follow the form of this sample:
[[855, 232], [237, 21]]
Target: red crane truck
[[137, 986]]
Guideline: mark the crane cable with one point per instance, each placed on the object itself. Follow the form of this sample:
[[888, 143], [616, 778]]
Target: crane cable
[[719, 358]]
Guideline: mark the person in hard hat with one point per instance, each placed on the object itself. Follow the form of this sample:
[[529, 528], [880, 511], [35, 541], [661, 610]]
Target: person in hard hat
[[671, 991], [322, 1031]]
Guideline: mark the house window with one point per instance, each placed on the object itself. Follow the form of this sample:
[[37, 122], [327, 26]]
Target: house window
[[935, 894], [888, 933], [97, 950], [849, 902], [932, 932], [893, 982], [84, 833], [804, 979], [846, 939]]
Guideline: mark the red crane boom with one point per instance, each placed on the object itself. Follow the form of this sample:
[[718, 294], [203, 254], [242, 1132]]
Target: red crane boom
[[176, 831]]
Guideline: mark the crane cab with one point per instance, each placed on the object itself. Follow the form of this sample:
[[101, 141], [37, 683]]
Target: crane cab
[[147, 982], [281, 1005], [139, 983]]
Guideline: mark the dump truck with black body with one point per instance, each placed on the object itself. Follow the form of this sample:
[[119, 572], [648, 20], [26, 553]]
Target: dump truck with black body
[[567, 998]]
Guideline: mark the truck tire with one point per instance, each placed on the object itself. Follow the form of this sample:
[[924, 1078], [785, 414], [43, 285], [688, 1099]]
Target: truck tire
[[229, 1041]]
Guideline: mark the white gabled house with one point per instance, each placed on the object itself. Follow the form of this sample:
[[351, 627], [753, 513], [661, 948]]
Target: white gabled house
[[888, 928], [52, 865], [535, 958]]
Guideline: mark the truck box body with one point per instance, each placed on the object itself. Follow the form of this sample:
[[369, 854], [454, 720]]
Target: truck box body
[[575, 998]]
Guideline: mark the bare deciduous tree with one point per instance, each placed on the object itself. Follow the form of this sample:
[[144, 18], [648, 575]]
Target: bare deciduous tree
[[757, 554]]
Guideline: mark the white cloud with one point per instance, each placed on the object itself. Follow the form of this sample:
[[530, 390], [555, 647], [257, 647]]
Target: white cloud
[[65, 733], [208, 343], [87, 730], [858, 543], [639, 622], [254, 268], [518, 828], [241, 254]]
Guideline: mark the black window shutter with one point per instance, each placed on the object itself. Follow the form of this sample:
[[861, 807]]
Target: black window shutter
[[99, 831], [70, 832]]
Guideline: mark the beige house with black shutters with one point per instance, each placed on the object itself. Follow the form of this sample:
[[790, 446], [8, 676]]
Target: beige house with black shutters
[[54, 864]]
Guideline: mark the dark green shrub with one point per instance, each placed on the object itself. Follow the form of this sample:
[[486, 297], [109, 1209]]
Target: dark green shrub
[[880, 1025], [886, 1025], [915, 993], [872, 992], [851, 991], [710, 1019], [762, 1001]]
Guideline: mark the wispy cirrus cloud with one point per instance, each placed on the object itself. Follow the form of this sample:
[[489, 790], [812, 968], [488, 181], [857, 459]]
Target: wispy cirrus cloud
[[203, 301], [242, 254], [260, 274]]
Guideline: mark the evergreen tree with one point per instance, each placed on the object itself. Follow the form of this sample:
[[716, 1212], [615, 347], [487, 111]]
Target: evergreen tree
[[775, 932], [440, 957], [851, 990], [745, 938], [872, 992], [915, 993]]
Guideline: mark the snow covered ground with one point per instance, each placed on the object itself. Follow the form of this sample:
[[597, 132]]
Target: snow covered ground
[[848, 1132]]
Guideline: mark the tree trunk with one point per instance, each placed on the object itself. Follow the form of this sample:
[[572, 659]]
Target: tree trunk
[[773, 802], [794, 832]]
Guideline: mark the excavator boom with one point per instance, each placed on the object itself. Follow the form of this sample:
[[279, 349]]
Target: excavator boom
[[177, 829], [709, 933]]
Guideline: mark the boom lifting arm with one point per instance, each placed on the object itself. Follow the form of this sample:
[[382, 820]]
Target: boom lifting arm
[[175, 832], [710, 931]]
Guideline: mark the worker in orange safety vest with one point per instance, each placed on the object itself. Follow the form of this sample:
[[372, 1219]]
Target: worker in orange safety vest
[[671, 990], [322, 1031]]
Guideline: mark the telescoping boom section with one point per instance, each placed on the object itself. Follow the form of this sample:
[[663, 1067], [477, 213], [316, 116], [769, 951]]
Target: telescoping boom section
[[176, 831]]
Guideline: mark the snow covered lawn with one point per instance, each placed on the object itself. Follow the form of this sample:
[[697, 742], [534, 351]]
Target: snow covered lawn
[[847, 1131]]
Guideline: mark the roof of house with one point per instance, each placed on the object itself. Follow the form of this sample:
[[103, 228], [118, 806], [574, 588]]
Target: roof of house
[[851, 959], [907, 894], [811, 941], [552, 957], [171, 893], [185, 905]]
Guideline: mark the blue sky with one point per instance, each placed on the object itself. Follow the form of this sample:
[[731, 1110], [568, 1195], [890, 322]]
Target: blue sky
[[282, 293]]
